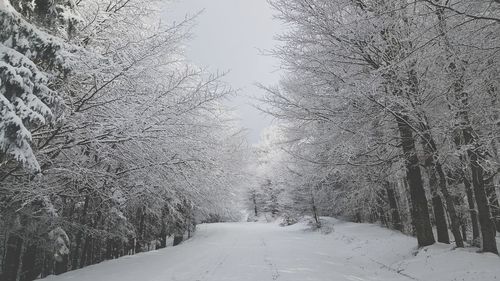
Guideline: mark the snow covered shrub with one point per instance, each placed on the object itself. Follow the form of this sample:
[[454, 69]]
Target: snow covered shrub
[[213, 218], [326, 226], [289, 219], [60, 243], [314, 224]]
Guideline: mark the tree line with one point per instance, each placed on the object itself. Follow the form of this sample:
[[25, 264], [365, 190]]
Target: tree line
[[110, 141], [389, 111]]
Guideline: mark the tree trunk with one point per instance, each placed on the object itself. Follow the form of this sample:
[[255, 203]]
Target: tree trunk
[[437, 204], [12, 257], [20, 263], [440, 217], [420, 210], [314, 210], [491, 193], [109, 249], [410, 206], [395, 216], [467, 137], [491, 190], [472, 210], [380, 212], [163, 236], [61, 266], [75, 263], [438, 179], [455, 221], [85, 250], [464, 231], [178, 239], [30, 269], [486, 223], [254, 198], [141, 213]]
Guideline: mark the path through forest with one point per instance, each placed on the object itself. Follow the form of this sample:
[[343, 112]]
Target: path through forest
[[266, 251]]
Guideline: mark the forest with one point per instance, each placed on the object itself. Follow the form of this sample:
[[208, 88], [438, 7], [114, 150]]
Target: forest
[[110, 141], [113, 143], [390, 113]]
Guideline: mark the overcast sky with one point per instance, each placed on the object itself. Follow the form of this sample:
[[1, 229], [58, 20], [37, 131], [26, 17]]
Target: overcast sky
[[230, 35]]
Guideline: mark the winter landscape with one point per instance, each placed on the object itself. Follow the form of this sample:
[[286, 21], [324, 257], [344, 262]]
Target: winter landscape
[[249, 140]]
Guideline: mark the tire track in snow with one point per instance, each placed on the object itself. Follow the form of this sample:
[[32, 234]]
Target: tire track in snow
[[382, 265], [210, 272], [393, 269]]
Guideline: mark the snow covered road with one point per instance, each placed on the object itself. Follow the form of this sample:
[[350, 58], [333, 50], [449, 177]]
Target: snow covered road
[[261, 252]]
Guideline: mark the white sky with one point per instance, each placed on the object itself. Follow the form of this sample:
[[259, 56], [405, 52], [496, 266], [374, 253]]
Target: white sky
[[229, 36]]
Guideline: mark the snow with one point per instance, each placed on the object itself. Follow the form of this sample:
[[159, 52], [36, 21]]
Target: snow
[[4, 5], [61, 242], [265, 251]]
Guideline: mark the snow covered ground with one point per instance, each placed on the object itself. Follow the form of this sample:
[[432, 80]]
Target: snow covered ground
[[266, 251]]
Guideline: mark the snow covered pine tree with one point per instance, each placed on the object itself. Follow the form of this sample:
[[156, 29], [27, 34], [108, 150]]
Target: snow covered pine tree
[[28, 56], [32, 62]]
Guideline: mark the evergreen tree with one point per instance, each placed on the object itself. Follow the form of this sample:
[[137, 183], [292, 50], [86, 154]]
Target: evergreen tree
[[32, 63]]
